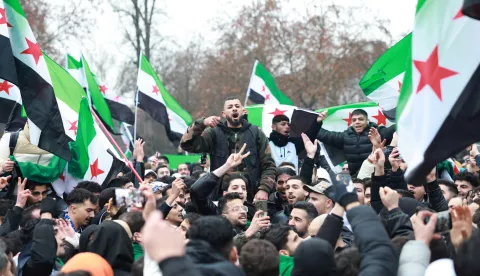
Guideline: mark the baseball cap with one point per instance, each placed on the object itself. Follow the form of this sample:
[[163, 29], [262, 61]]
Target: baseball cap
[[147, 172], [323, 188]]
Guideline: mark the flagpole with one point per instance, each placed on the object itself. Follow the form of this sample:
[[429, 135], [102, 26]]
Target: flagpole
[[250, 82], [105, 131], [136, 113]]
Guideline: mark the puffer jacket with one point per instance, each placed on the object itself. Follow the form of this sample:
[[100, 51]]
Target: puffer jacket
[[356, 147]]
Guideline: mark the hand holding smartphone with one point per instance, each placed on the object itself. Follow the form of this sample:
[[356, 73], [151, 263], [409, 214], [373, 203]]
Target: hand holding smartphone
[[262, 205]]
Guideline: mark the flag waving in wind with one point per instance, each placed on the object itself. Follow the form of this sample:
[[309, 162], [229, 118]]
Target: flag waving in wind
[[154, 99], [439, 107], [262, 88], [383, 81]]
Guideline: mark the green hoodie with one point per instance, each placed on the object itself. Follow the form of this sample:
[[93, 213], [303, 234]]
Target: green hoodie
[[137, 251], [286, 265]]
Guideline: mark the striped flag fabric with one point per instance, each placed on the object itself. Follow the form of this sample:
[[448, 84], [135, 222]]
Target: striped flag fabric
[[382, 83], [119, 110], [263, 89], [154, 99], [439, 105], [24, 65], [11, 103]]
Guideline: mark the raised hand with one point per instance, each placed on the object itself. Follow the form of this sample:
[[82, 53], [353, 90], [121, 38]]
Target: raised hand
[[389, 198], [322, 116], [150, 203], [138, 152], [22, 194], [394, 160], [4, 181], [310, 148], [461, 225], [378, 158], [236, 159], [65, 227], [7, 166], [211, 121], [425, 232], [432, 176], [258, 223], [375, 138]]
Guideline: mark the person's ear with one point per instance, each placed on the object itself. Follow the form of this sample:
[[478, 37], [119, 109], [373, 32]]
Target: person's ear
[[274, 126], [223, 114], [73, 208], [233, 254], [283, 252]]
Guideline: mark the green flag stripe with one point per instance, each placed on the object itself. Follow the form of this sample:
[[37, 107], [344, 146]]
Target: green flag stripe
[[389, 65], [420, 4], [334, 109], [66, 88], [406, 91], [15, 4], [255, 115], [170, 102], [73, 63], [263, 73]]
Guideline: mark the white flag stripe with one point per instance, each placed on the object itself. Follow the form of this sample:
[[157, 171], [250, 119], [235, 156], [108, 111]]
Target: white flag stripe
[[257, 84], [387, 94]]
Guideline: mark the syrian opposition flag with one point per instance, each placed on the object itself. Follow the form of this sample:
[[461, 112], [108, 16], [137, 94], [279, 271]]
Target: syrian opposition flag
[[94, 158], [154, 99], [23, 64], [339, 119], [262, 88], [11, 106], [127, 138], [119, 110], [439, 106], [383, 81]]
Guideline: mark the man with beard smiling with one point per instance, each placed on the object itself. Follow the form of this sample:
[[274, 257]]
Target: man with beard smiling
[[221, 138]]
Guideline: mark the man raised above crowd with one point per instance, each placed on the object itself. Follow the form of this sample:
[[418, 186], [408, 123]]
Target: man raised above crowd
[[220, 138], [355, 141]]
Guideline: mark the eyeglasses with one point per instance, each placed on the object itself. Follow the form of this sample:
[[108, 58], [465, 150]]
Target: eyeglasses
[[37, 193], [239, 208]]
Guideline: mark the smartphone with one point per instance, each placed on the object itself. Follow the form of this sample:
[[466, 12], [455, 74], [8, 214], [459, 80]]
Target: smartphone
[[261, 205], [128, 198], [345, 179], [444, 222]]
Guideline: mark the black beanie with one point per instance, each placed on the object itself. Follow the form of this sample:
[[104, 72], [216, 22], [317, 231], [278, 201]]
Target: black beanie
[[314, 257]]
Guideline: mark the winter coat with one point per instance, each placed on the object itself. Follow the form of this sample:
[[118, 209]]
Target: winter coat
[[208, 261], [221, 141], [414, 259], [356, 147]]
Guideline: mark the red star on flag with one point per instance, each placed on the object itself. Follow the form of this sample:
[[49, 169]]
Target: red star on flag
[[155, 90], [95, 170], [62, 177], [33, 49], [117, 98], [267, 97], [459, 14], [399, 86], [349, 120], [278, 112], [5, 86], [381, 119], [432, 73], [73, 126], [103, 88], [263, 88]]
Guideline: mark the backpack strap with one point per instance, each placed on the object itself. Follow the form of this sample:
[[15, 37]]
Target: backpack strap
[[13, 141]]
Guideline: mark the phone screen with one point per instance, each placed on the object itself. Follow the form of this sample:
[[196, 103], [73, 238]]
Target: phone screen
[[261, 205], [346, 180], [128, 198]]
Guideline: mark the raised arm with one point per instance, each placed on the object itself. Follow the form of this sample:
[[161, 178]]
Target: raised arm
[[198, 137]]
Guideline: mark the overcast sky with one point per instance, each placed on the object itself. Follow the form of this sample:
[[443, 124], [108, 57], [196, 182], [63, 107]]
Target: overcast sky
[[187, 18]]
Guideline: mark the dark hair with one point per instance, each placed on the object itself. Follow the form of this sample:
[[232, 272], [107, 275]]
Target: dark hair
[[197, 167], [360, 112], [230, 98], [27, 213], [308, 207], [192, 218], [164, 158], [27, 230], [368, 184], [278, 235], [196, 174], [75, 273], [466, 260], [222, 203], [5, 204], [105, 196], [280, 118], [137, 267], [91, 186], [80, 196], [358, 180], [188, 180], [188, 167], [228, 180], [134, 219], [468, 177], [348, 262], [298, 177], [259, 258], [287, 164], [405, 193], [164, 192], [398, 242], [217, 231], [14, 242], [32, 184], [118, 182], [161, 166], [287, 171], [450, 185]]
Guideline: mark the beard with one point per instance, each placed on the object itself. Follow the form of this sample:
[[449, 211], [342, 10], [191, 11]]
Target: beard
[[234, 121]]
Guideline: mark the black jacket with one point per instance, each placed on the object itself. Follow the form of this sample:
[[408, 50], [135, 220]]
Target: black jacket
[[208, 261], [11, 222], [378, 255], [356, 147], [112, 242]]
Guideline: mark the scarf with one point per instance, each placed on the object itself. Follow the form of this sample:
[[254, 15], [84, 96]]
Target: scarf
[[278, 139]]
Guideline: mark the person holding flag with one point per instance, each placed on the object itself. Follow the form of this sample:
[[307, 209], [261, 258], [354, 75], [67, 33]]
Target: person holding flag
[[221, 138]]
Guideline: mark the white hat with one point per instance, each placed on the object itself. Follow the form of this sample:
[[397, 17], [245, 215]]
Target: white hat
[[147, 172]]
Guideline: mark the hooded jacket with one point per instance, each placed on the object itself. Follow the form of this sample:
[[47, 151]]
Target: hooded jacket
[[221, 141], [112, 242], [356, 147], [208, 261]]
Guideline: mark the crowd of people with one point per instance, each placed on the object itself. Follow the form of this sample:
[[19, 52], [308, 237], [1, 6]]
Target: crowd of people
[[258, 206]]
